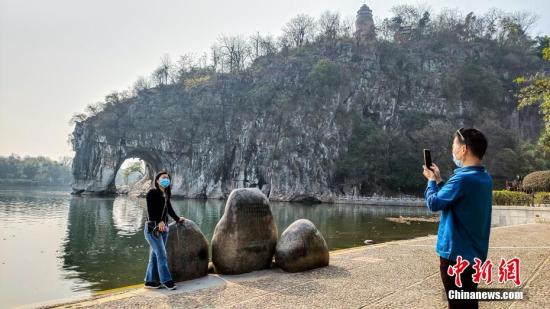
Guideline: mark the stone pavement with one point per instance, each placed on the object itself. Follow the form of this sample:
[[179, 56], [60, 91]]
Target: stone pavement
[[399, 274]]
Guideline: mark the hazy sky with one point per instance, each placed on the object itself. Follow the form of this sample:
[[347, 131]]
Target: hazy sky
[[56, 57]]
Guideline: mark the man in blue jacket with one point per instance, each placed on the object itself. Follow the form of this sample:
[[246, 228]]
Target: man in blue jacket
[[465, 202]]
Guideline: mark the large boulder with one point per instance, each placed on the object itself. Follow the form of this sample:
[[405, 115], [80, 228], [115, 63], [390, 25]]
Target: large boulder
[[301, 247], [245, 237], [187, 250]]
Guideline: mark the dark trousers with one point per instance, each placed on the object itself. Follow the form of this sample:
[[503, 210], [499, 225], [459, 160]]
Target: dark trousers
[[449, 284]]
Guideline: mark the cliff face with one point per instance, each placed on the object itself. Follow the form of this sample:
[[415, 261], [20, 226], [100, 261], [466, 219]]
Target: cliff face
[[217, 143], [281, 125]]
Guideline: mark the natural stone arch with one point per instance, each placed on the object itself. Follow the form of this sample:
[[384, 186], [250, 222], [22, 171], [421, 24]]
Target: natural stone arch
[[152, 166], [98, 157]]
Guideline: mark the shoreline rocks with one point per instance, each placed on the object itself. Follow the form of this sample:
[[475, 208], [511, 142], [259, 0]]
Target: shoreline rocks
[[301, 247], [244, 239], [187, 250]]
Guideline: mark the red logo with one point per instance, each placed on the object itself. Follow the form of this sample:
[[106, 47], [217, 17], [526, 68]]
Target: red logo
[[457, 269], [507, 270], [483, 271]]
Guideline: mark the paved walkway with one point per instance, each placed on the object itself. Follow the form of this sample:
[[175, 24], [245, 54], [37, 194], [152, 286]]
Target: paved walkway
[[400, 274]]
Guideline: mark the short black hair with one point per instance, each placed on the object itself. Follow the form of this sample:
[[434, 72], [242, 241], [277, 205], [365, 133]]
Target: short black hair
[[473, 139]]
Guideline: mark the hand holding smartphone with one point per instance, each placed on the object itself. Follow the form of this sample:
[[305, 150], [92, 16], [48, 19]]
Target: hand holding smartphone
[[428, 159]]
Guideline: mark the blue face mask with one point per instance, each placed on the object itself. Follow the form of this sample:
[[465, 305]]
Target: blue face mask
[[457, 162], [164, 182]]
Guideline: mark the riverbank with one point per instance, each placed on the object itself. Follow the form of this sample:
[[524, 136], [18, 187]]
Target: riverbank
[[381, 201], [398, 274]]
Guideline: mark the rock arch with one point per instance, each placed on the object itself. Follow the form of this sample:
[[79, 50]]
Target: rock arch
[[152, 167], [98, 158]]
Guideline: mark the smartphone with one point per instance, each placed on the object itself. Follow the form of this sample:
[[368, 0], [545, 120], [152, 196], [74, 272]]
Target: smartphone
[[427, 158]]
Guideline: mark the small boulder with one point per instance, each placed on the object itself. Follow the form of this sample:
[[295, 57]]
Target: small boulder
[[301, 247], [187, 251], [245, 237]]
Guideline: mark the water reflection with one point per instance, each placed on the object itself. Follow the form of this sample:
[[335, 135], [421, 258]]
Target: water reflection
[[95, 250], [128, 214], [18, 206]]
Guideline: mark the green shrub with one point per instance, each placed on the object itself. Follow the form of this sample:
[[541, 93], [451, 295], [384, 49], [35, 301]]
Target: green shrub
[[503, 197], [537, 182], [325, 73], [542, 198]]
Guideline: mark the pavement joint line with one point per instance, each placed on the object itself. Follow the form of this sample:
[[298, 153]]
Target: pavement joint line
[[297, 285], [377, 301], [268, 293], [512, 225], [536, 272]]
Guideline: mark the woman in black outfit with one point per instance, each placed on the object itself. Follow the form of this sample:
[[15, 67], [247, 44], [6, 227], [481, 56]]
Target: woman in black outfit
[[156, 232]]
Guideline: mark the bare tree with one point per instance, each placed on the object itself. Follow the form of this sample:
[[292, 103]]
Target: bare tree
[[255, 40], [472, 28], [513, 28], [262, 45], [268, 45], [348, 26], [490, 20], [116, 97], [165, 73], [330, 27], [410, 14], [234, 52], [202, 61], [140, 84], [448, 19], [524, 19], [215, 57], [184, 65], [300, 30], [283, 43]]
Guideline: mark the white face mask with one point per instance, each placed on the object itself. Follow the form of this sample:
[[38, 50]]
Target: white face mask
[[457, 162]]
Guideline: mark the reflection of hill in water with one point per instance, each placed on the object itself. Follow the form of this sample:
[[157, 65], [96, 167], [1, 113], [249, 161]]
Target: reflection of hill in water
[[128, 215], [96, 252], [105, 244]]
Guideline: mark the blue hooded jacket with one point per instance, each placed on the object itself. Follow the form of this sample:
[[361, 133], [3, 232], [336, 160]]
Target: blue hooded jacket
[[465, 202]]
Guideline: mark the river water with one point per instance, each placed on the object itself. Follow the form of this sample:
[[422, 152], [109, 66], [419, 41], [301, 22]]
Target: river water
[[54, 245]]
